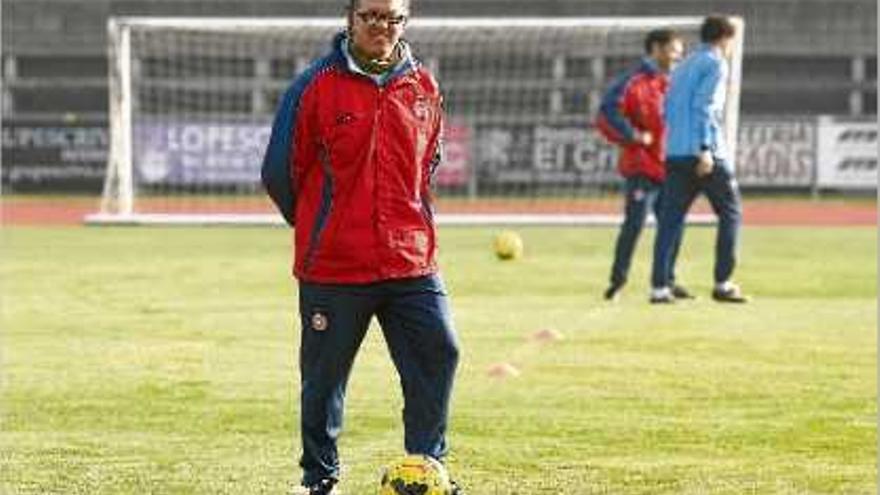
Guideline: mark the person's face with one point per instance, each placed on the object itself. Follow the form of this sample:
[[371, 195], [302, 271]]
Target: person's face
[[669, 54], [376, 26]]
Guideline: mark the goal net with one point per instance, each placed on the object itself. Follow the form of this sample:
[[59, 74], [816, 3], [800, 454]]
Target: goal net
[[192, 101]]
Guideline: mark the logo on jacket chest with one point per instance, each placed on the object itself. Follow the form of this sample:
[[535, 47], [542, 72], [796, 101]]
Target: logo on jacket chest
[[421, 108], [344, 118]]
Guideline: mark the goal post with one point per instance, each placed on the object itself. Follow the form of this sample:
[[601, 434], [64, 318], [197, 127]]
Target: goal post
[[192, 100]]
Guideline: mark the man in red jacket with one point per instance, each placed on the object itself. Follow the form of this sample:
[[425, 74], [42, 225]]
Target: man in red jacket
[[354, 145], [631, 116]]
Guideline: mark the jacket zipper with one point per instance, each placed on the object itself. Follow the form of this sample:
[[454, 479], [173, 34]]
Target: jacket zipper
[[377, 216]]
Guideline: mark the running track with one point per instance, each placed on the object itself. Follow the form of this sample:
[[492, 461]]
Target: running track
[[61, 211]]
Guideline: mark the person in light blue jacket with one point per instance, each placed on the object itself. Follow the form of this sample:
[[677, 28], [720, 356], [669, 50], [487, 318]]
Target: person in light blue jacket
[[698, 160]]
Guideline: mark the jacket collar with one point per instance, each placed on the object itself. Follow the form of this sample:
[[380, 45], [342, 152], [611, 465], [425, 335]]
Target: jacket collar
[[708, 48], [407, 62]]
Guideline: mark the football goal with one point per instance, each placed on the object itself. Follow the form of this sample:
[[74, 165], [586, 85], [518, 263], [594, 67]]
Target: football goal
[[192, 100]]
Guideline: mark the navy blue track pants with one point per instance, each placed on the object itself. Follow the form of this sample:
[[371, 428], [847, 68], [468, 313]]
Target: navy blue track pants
[[679, 191], [642, 196], [417, 325]]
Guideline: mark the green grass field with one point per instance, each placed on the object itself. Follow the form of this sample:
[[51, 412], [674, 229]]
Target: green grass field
[[162, 361]]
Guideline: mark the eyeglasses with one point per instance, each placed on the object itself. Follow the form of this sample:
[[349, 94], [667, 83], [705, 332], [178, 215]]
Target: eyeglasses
[[375, 19]]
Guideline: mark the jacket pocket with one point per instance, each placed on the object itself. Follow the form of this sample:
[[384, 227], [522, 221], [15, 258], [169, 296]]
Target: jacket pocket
[[413, 244], [347, 136]]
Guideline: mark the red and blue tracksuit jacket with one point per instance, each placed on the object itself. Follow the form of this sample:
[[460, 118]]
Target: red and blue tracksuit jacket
[[349, 164], [634, 102]]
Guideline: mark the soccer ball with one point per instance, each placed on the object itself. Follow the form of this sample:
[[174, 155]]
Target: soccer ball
[[415, 475], [508, 245]]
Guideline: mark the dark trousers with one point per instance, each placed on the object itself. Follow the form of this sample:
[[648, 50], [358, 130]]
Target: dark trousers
[[680, 189], [417, 326], [642, 195]]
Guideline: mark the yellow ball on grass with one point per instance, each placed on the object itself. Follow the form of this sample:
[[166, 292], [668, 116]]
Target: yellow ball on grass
[[508, 245], [415, 474]]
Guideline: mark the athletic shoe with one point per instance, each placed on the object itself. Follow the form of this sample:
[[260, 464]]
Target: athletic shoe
[[679, 292], [613, 292], [323, 487], [662, 296], [729, 293], [456, 490]]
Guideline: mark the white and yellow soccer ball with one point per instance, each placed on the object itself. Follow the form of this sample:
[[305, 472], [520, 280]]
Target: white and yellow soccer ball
[[415, 475], [508, 245]]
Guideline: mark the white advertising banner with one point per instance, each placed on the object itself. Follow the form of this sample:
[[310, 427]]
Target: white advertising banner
[[847, 154], [776, 153]]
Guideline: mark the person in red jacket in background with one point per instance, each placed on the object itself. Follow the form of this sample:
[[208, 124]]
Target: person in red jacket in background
[[353, 148], [631, 116]]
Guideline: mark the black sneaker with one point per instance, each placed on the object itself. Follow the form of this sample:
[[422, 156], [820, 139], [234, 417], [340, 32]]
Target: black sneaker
[[613, 292], [456, 490], [323, 487], [729, 294], [679, 292], [662, 296]]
